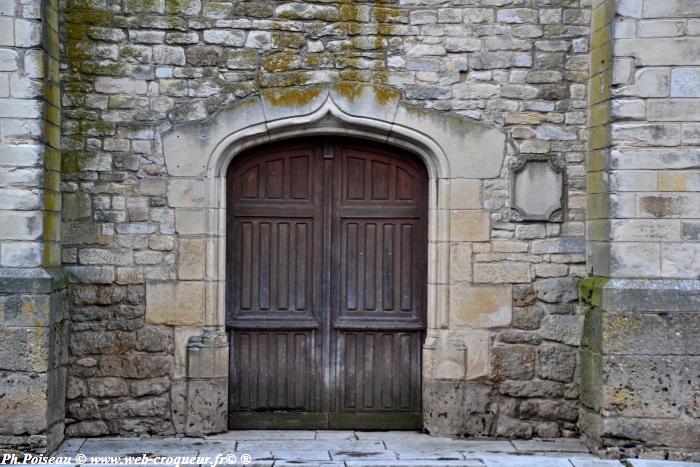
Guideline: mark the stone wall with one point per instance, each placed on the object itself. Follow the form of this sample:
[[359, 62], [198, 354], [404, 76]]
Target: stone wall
[[640, 359], [33, 329], [135, 243]]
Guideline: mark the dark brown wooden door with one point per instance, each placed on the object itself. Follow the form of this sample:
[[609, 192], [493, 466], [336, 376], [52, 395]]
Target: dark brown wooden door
[[326, 284]]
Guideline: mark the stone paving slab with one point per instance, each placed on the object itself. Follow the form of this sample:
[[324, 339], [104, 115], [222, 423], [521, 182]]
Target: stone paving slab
[[656, 463], [577, 455], [393, 435], [448, 444], [276, 448], [413, 463], [266, 435], [431, 455], [363, 455], [524, 461], [336, 435], [595, 463], [310, 445], [304, 456], [559, 444], [151, 446]]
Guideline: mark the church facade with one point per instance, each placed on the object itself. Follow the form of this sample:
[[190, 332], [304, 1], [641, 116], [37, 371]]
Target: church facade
[[473, 217]]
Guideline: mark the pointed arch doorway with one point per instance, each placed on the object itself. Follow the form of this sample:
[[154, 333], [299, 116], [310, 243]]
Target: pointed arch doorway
[[326, 285]]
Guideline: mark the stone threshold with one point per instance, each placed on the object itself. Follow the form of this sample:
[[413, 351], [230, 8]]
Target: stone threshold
[[355, 448]]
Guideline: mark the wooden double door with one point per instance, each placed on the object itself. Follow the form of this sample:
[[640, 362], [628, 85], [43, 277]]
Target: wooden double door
[[326, 285]]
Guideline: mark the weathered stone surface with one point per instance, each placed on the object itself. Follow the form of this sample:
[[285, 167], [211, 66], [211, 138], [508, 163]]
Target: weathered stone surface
[[460, 138], [543, 389], [512, 428], [87, 429], [562, 328], [191, 259], [527, 317], [206, 409], [549, 409], [150, 387], [556, 290], [107, 387], [136, 366], [516, 362], [469, 226], [643, 386], [507, 272], [24, 349], [179, 303], [480, 306], [556, 362], [457, 407], [24, 402], [465, 194]]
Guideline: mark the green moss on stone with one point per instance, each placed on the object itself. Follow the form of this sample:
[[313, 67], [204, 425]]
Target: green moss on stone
[[590, 289]]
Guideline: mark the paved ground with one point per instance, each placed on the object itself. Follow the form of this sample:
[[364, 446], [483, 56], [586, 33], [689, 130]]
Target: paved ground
[[344, 448]]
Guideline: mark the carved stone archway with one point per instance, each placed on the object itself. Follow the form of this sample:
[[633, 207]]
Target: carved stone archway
[[197, 155]]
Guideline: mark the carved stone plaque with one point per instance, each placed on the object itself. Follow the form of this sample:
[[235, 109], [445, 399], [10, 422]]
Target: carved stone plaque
[[537, 188]]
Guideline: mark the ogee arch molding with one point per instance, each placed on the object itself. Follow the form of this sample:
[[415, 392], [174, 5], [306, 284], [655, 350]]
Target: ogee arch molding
[[452, 147]]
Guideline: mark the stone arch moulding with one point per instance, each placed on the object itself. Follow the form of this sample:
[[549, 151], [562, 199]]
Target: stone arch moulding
[[197, 155]]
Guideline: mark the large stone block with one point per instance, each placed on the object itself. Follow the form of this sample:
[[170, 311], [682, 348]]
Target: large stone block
[[20, 225], [506, 272], [635, 260], [685, 82], [556, 362], [24, 404], [642, 386], [191, 258], [188, 148], [207, 400], [175, 303], [469, 226], [186, 193], [658, 51], [680, 261], [465, 194], [474, 150], [24, 310], [460, 262], [189, 221], [563, 328], [670, 9], [480, 306], [655, 432], [640, 333], [120, 85], [24, 349], [513, 362], [673, 110], [457, 407]]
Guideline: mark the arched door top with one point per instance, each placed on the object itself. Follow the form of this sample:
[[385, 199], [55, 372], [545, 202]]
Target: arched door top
[[451, 145]]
